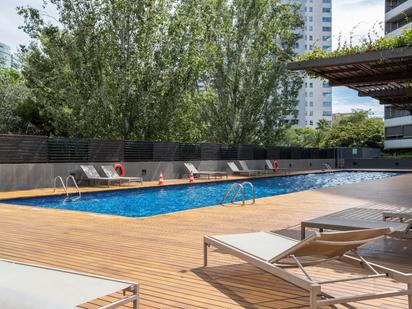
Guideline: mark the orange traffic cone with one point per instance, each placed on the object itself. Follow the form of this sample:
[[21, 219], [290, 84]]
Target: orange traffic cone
[[161, 181], [191, 178]]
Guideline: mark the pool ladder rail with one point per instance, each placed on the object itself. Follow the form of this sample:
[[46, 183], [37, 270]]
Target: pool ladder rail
[[240, 187], [327, 166], [65, 186]]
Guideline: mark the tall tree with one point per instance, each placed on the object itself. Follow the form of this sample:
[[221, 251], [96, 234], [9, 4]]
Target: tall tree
[[252, 95]]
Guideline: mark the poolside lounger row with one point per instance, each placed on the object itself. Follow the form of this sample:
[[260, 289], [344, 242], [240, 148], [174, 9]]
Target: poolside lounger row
[[244, 171], [111, 175], [275, 253], [27, 286]]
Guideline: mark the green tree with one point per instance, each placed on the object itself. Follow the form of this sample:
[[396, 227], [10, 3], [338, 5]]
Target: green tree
[[162, 69], [12, 93], [112, 69], [250, 93], [357, 130]]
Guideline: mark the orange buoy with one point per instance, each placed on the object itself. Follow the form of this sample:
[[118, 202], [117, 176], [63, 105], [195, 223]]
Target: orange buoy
[[275, 165], [161, 181], [191, 178], [119, 169]]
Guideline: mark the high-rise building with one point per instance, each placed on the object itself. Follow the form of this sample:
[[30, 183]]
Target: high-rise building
[[315, 97], [5, 55], [398, 123]]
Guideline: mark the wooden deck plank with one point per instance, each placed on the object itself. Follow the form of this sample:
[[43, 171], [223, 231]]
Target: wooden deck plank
[[164, 253]]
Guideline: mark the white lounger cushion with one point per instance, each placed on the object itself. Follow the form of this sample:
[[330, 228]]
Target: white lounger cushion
[[262, 245], [23, 287]]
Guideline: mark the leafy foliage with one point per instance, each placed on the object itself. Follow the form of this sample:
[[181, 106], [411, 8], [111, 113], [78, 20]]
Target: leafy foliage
[[162, 69], [356, 130], [12, 93], [366, 44]]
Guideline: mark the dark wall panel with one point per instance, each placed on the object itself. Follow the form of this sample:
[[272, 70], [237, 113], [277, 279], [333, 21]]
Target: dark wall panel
[[23, 149]]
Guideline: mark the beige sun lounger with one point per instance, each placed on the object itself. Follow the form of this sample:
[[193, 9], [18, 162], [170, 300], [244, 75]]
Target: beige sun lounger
[[401, 230], [401, 214], [236, 171], [274, 253], [27, 286], [110, 172], [92, 175], [196, 173], [244, 167]]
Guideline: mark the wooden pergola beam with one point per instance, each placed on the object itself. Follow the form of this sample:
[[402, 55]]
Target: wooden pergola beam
[[384, 93], [377, 79]]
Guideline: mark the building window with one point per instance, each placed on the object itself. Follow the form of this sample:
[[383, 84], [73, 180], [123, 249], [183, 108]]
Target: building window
[[311, 122], [310, 38], [310, 9], [327, 94], [326, 1], [327, 29], [311, 103], [326, 10], [310, 85], [311, 28], [327, 19], [310, 94], [327, 104], [327, 47], [326, 85], [326, 38], [327, 113], [310, 18], [311, 113]]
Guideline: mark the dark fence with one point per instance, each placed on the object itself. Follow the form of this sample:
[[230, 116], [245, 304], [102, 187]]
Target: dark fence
[[41, 149]]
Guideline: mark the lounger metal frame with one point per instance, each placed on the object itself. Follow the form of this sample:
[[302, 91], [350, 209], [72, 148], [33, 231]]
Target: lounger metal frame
[[132, 288], [315, 287]]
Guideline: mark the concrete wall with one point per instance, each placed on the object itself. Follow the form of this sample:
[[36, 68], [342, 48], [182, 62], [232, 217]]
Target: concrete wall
[[379, 163], [41, 175]]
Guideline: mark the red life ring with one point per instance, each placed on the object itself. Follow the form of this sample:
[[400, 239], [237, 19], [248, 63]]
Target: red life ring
[[275, 165], [119, 168]]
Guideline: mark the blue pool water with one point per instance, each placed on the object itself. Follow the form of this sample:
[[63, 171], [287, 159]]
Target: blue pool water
[[160, 200]]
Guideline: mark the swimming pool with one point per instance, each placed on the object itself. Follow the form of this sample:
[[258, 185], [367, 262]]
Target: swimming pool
[[160, 200]]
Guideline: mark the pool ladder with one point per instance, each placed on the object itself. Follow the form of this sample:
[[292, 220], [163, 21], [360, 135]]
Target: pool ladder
[[326, 166], [240, 187], [65, 185]]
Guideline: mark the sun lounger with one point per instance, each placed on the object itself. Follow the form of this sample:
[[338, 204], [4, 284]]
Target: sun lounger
[[92, 175], [275, 253], [329, 222], [244, 167], [401, 214], [236, 171], [270, 167], [196, 173], [110, 172], [26, 286]]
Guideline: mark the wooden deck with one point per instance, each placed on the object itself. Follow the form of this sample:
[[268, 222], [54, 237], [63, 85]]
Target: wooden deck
[[164, 253]]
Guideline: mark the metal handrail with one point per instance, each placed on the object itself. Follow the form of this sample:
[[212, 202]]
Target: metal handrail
[[241, 188], [327, 166], [252, 187], [75, 184], [229, 190], [61, 181]]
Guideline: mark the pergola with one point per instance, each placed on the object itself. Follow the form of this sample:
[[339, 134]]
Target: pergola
[[385, 75]]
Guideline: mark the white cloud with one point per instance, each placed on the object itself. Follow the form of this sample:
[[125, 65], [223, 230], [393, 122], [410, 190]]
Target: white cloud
[[356, 18]]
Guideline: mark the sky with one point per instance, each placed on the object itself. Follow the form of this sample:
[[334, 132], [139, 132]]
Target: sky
[[349, 16]]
